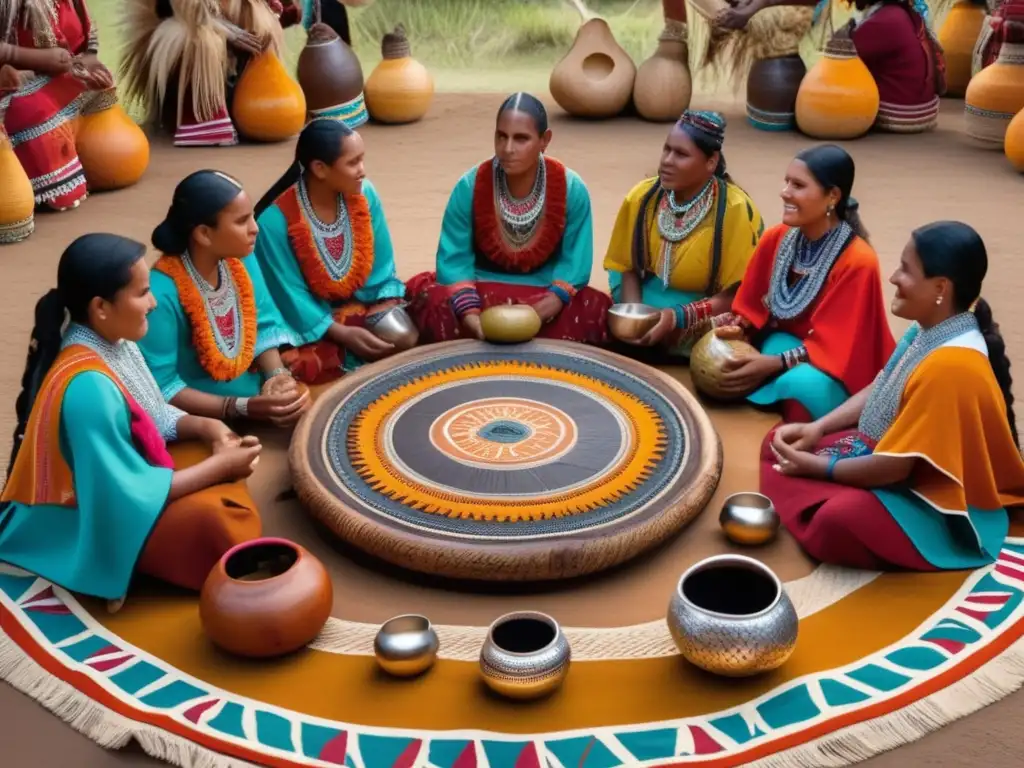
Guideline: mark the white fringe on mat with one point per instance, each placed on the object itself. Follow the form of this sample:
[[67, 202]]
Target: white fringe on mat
[[997, 679]]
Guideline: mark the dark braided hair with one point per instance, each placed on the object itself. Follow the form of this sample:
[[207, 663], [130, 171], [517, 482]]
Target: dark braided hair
[[833, 168], [528, 105], [956, 251], [707, 131], [93, 265], [321, 140]]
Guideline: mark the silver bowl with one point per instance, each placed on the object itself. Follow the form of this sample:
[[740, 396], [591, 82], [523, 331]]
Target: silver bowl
[[629, 322], [406, 645], [525, 656], [394, 325], [731, 616], [749, 518]]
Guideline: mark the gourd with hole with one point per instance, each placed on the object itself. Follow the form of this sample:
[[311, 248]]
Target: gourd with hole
[[400, 89], [958, 36], [268, 104], [17, 199], [113, 150], [332, 78], [996, 93], [595, 78], [838, 98]]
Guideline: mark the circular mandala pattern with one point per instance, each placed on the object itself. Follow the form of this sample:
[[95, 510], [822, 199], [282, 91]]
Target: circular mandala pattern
[[539, 461]]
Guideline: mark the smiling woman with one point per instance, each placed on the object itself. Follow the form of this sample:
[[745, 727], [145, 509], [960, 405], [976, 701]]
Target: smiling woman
[[518, 229], [811, 299]]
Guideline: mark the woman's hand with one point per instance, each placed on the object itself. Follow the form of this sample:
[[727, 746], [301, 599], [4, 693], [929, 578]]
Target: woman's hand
[[665, 326], [282, 384], [800, 437], [471, 325], [745, 373], [281, 410], [547, 307], [247, 42], [738, 15], [91, 71], [363, 343], [797, 463], [238, 462]]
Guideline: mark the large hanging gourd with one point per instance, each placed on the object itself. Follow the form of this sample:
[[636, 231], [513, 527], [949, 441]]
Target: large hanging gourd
[[996, 93], [662, 89], [17, 200], [113, 150], [838, 98], [1014, 144], [958, 36], [400, 89], [268, 104], [595, 78], [331, 76]]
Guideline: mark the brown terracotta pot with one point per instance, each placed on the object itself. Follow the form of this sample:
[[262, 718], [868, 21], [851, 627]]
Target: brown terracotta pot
[[772, 86], [328, 70], [266, 597]]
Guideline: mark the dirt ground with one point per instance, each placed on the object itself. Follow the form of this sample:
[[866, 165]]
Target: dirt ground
[[903, 182]]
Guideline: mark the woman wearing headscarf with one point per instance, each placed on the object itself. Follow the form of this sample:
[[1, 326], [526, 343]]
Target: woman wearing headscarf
[[682, 240], [811, 298]]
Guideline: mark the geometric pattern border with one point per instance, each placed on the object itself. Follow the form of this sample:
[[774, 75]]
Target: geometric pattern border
[[982, 620]]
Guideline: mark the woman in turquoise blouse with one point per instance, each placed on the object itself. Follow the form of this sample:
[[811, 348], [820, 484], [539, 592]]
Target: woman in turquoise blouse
[[326, 252], [518, 229], [214, 336]]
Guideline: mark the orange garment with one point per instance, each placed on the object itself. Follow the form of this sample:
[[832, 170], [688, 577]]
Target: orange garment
[[845, 329]]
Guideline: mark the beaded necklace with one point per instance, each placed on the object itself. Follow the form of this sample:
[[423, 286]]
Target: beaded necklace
[[334, 242], [811, 262], [677, 221], [221, 304], [125, 359], [519, 216], [887, 392]]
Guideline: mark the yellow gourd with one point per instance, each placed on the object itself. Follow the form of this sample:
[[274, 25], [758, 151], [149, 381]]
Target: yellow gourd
[[268, 105], [958, 36], [595, 78], [113, 149], [663, 87], [1014, 144], [17, 199], [838, 97], [996, 93], [400, 89]]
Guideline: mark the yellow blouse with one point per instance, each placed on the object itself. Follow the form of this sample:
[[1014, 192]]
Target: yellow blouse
[[691, 258]]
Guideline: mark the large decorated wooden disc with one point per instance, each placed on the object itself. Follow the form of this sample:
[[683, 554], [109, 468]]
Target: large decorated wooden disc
[[530, 462]]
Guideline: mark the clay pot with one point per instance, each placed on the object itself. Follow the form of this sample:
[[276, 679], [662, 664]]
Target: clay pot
[[400, 89], [331, 77], [595, 78], [772, 88], [1014, 144], [996, 93], [706, 360], [268, 104], [114, 151], [838, 98], [17, 199], [663, 87], [958, 36], [266, 597]]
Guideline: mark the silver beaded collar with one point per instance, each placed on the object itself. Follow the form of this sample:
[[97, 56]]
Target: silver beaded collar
[[519, 216], [812, 262], [337, 261], [125, 359], [219, 302], [887, 392]]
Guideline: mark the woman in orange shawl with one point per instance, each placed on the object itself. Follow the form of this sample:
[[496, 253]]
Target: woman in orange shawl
[[925, 479], [93, 493], [811, 298]]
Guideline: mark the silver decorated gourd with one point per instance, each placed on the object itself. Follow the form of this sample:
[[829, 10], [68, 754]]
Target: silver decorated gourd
[[731, 616], [525, 656]]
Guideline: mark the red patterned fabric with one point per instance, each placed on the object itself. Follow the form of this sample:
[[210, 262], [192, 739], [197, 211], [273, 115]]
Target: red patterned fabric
[[321, 361], [583, 320]]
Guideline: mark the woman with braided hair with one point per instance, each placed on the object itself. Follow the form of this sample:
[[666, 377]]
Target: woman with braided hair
[[918, 469], [682, 240], [811, 298]]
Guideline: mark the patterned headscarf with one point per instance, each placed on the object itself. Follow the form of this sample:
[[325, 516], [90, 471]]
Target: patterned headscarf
[[706, 128]]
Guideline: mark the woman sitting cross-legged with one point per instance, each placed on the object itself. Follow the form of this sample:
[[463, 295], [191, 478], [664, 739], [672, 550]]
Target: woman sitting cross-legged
[[925, 478], [93, 493]]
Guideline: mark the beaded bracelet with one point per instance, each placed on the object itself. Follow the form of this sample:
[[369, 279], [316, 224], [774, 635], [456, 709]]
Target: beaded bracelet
[[227, 409], [242, 406], [680, 315], [793, 357], [465, 300], [692, 314]]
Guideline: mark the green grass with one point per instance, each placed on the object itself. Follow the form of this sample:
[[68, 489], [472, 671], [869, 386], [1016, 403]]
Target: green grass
[[469, 45]]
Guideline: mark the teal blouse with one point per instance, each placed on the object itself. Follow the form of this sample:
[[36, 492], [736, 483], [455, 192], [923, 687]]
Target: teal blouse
[[168, 347], [570, 263], [93, 548], [306, 316]]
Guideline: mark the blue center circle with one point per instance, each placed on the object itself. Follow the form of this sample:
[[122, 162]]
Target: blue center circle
[[504, 431]]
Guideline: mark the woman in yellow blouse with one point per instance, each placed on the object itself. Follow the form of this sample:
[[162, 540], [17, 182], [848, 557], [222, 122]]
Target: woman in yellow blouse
[[682, 239]]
